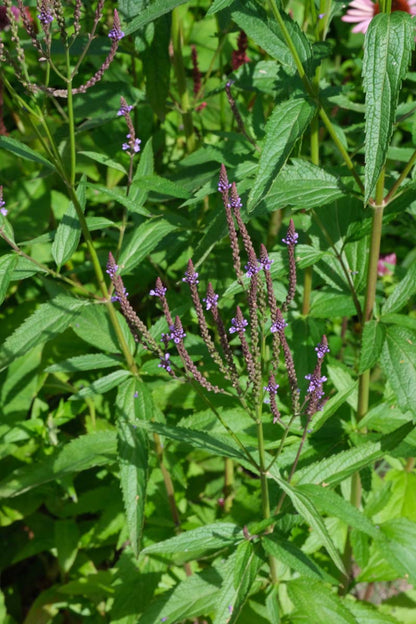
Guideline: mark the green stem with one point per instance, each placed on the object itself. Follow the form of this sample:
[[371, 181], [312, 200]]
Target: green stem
[[71, 123], [403, 175], [177, 43], [228, 483]]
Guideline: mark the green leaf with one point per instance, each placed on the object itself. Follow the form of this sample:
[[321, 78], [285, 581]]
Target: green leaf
[[398, 359], [334, 505], [218, 5], [195, 595], [104, 160], [23, 151], [133, 449], [371, 345], [151, 13], [7, 266], [68, 234], [143, 241], [303, 185], [93, 449], [400, 546], [144, 168], [335, 469], [285, 126], [156, 62], [101, 385], [47, 322], [217, 445], [93, 325], [315, 602], [93, 361], [308, 511], [160, 185], [366, 613], [66, 537], [402, 292], [291, 556], [128, 202], [209, 537], [241, 571], [388, 45]]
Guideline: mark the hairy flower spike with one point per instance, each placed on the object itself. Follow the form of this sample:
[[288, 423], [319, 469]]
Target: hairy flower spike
[[165, 363], [125, 108], [211, 299], [223, 187], [191, 276], [3, 209], [315, 392], [239, 56], [279, 324], [322, 348], [116, 33], [45, 16], [271, 389], [253, 266], [239, 323], [176, 331], [112, 267], [291, 240], [291, 236], [159, 290], [223, 184]]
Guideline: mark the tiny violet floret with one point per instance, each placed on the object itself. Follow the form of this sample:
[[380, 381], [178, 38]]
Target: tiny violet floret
[[133, 145], [271, 389], [3, 209], [116, 33], [266, 263], [158, 291], [238, 325], [45, 17], [315, 384], [112, 267], [210, 300], [165, 363], [291, 238], [321, 349], [252, 268], [191, 277], [176, 334], [278, 325], [124, 110], [115, 298]]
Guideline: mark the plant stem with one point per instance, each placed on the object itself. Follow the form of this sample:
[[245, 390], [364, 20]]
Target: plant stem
[[228, 483]]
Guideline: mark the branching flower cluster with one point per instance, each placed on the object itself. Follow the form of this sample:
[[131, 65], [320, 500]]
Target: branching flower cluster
[[239, 355], [52, 18]]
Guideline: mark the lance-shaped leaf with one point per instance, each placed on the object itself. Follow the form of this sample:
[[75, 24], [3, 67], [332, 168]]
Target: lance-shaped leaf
[[398, 358], [388, 45], [68, 233], [286, 125], [215, 536], [133, 403]]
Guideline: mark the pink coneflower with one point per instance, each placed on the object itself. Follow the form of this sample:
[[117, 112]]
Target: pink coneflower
[[363, 11]]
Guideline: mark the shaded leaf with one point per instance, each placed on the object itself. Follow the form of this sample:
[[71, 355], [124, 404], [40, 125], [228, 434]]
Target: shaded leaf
[[371, 344], [23, 151], [151, 13], [209, 537], [143, 241], [7, 266], [315, 602], [68, 234], [292, 556], [398, 359]]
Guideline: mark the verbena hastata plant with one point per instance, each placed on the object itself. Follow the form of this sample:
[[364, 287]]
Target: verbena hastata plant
[[199, 466]]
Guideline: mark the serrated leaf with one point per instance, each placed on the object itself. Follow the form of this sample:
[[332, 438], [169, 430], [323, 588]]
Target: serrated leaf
[[48, 321], [209, 537], [308, 511], [93, 449], [335, 469], [143, 241], [195, 595], [218, 5], [93, 325], [93, 361], [162, 186], [121, 198], [388, 45], [398, 359], [150, 13], [303, 185], [285, 126], [292, 556], [101, 385], [241, 571], [334, 505], [133, 448], [156, 62], [366, 613], [104, 160], [405, 289], [371, 344], [68, 234], [218, 445], [7, 266], [23, 151], [317, 603], [400, 546]]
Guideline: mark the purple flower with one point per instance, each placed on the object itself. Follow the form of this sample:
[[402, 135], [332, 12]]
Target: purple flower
[[116, 33], [291, 239], [136, 395], [112, 267], [239, 325], [315, 384], [115, 298], [271, 389], [211, 299], [176, 334], [252, 268], [278, 325], [159, 290], [223, 186], [3, 210], [134, 145], [266, 263], [165, 363], [124, 110], [45, 17], [321, 349], [191, 277]]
